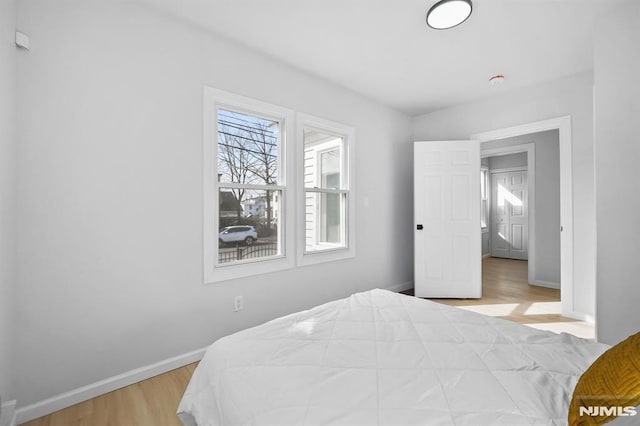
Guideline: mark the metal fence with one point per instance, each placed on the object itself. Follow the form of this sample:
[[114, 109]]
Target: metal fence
[[247, 252]]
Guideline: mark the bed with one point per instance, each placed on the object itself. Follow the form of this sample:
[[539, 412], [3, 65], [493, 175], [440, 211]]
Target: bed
[[383, 358]]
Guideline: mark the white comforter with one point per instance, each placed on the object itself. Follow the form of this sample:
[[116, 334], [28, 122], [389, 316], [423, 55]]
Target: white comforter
[[382, 358]]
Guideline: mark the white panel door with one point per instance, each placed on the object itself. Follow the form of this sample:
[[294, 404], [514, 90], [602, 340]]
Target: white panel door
[[510, 215], [448, 251], [499, 217]]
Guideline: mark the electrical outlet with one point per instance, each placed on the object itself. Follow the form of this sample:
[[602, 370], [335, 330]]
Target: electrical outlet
[[238, 303]]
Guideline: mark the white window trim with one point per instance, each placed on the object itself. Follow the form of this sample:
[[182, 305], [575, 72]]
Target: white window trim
[[347, 176], [214, 99]]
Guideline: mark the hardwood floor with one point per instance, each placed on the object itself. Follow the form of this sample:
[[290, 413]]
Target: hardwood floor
[[507, 294], [153, 402]]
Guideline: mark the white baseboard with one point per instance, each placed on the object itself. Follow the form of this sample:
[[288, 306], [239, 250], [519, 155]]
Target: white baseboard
[[484, 256], [408, 285], [84, 393], [8, 416], [547, 284], [579, 316]]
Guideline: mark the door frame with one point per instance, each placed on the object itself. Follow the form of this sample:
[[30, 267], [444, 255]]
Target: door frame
[[563, 125], [530, 149]]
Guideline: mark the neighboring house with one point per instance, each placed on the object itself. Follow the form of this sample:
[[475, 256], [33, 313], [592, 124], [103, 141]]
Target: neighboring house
[[322, 165], [257, 207]]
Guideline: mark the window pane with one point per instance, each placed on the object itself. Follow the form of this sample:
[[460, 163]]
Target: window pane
[[330, 169], [247, 148], [249, 224], [322, 160], [325, 226], [484, 213]]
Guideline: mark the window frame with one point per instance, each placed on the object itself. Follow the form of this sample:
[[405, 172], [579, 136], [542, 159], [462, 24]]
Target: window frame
[[213, 100], [485, 207], [347, 186]]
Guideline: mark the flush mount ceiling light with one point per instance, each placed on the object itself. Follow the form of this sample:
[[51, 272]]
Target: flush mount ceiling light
[[448, 13]]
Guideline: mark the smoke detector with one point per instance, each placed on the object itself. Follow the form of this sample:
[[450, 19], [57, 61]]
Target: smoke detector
[[496, 79]]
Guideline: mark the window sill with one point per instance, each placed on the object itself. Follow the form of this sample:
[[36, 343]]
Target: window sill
[[328, 255], [242, 270]]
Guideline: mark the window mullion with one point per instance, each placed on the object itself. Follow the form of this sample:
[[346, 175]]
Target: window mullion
[[232, 185], [327, 190]]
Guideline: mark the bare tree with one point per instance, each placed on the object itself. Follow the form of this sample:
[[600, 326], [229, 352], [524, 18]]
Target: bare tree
[[234, 161], [248, 153], [264, 166]]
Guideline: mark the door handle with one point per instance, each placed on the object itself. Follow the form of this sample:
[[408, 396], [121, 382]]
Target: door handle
[[419, 227]]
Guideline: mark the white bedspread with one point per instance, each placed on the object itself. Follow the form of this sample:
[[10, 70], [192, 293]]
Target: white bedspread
[[382, 358]]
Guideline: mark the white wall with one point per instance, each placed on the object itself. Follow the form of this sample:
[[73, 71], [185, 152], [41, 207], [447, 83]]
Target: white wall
[[617, 142], [568, 96], [8, 270], [110, 245], [486, 243], [547, 203], [508, 161]]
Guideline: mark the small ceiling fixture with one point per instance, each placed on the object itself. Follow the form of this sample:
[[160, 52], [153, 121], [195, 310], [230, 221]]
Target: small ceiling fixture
[[448, 13], [496, 79]]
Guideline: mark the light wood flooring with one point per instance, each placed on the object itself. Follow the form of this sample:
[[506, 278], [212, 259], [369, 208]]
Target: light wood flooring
[[507, 294], [153, 402]]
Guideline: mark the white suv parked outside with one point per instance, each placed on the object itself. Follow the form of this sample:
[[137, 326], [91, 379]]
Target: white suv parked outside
[[238, 233]]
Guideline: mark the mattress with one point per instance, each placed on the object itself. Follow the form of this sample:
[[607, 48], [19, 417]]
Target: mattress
[[383, 358]]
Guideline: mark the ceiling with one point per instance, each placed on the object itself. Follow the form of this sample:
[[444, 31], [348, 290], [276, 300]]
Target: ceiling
[[384, 50]]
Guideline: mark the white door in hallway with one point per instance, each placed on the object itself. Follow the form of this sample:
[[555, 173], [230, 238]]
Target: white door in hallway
[[510, 215], [447, 219]]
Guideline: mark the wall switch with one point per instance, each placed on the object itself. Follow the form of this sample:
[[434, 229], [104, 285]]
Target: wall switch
[[22, 40], [237, 303]]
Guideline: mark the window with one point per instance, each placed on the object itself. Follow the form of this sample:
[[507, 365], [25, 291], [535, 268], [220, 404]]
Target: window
[[248, 163], [484, 197], [246, 192], [326, 206], [252, 199]]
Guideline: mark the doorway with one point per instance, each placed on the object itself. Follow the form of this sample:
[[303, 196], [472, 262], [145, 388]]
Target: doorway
[[563, 126], [525, 203], [509, 212], [508, 161]]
